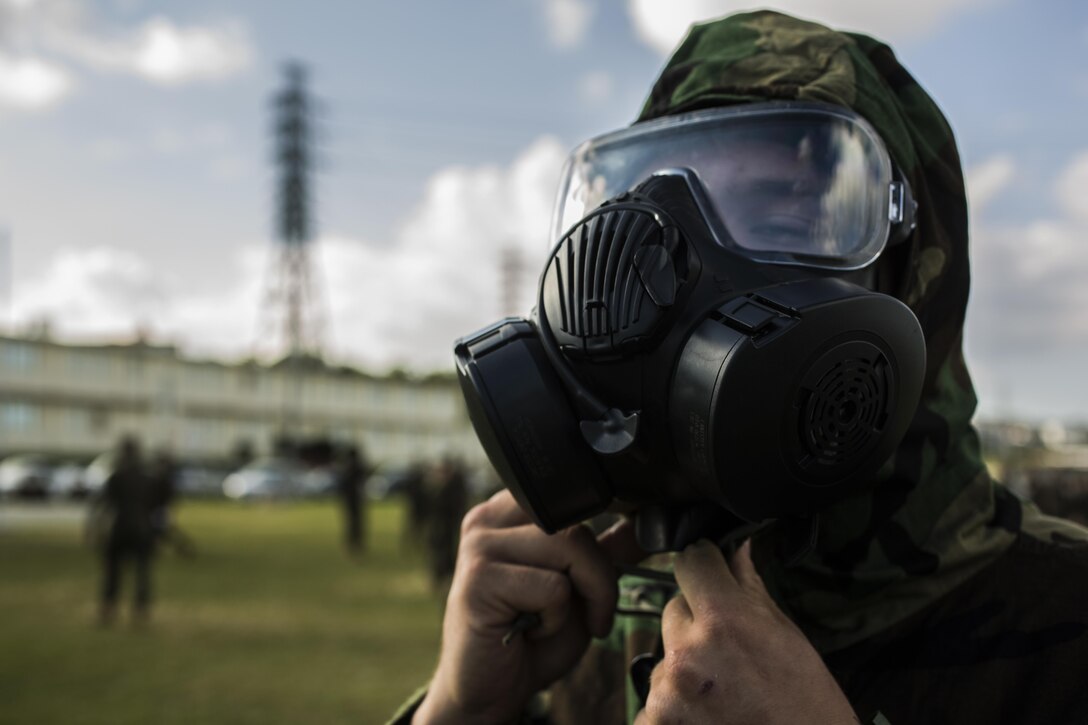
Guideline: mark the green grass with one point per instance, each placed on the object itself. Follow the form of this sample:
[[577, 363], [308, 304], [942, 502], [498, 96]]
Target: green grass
[[269, 623]]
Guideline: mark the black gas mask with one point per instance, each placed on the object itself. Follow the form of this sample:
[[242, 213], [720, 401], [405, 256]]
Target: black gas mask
[[706, 348]]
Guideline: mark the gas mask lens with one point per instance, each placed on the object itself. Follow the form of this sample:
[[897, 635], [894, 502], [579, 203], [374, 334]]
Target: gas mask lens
[[783, 183]]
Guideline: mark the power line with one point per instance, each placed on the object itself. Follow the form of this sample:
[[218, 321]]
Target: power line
[[292, 299]]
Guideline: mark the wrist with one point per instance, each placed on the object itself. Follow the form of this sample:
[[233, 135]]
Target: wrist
[[437, 709]]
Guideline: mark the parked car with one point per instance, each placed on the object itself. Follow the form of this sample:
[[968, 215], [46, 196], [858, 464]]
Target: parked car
[[266, 478], [66, 481], [96, 473], [388, 479], [319, 481], [198, 481], [190, 481], [25, 475]]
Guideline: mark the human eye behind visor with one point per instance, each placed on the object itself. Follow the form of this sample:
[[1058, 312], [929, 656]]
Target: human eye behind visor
[[785, 183]]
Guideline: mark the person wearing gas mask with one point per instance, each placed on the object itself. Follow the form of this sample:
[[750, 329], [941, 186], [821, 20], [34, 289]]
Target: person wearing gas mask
[[748, 339]]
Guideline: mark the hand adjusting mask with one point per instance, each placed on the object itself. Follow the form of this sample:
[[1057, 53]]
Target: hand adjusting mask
[[703, 339]]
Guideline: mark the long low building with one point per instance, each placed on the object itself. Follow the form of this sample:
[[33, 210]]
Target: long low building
[[74, 401]]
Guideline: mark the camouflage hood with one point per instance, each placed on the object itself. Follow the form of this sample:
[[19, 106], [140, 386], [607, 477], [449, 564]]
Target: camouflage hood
[[929, 523]]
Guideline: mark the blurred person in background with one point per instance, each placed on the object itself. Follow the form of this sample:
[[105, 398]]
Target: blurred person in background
[[350, 485], [125, 512], [164, 482], [415, 491], [447, 494]]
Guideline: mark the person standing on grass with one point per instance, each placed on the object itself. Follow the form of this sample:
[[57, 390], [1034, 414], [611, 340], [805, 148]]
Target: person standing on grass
[[418, 502], [448, 495], [164, 475], [351, 480], [126, 507]]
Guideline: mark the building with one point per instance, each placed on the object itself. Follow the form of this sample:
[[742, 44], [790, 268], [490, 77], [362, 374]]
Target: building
[[75, 401]]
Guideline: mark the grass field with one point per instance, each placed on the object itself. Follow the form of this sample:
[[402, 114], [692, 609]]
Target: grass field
[[269, 623]]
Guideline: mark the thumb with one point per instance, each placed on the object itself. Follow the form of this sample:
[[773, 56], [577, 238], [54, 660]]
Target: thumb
[[740, 563]]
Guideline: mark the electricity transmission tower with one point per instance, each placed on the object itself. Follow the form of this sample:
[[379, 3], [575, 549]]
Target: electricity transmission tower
[[292, 300], [511, 281]]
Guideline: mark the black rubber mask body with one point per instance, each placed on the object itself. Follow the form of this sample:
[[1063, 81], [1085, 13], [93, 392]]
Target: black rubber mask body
[[664, 369]]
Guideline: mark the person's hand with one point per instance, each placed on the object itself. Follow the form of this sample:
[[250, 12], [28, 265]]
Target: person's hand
[[507, 566], [732, 656]]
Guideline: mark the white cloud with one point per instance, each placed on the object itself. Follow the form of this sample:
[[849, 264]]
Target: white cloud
[[567, 21], [98, 291], [442, 280], [595, 87], [228, 168], [109, 150], [163, 52], [987, 180], [167, 141], [663, 24], [174, 140], [1072, 188], [226, 322], [110, 293], [404, 303], [171, 54], [1026, 331], [18, 5], [31, 83], [1028, 293], [44, 32], [211, 141]]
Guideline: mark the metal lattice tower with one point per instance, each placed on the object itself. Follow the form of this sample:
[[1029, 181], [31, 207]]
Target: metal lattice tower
[[511, 281], [292, 323], [292, 298]]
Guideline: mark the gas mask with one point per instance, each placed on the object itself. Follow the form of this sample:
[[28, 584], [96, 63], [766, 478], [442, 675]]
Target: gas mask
[[706, 348]]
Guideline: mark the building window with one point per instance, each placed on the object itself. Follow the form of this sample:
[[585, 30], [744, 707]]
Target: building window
[[134, 367], [379, 395], [99, 420], [76, 420], [18, 416], [19, 356], [206, 377], [91, 364], [247, 379]]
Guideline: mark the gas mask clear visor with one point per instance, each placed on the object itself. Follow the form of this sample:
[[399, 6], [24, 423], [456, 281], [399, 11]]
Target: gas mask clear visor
[[800, 184]]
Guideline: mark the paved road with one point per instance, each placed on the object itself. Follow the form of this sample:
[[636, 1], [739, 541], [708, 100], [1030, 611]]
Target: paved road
[[40, 514]]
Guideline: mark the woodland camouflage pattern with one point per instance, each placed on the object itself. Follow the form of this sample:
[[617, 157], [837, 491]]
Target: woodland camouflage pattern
[[888, 564], [935, 517]]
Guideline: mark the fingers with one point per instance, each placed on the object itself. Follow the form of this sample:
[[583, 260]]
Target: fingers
[[499, 511], [704, 577], [744, 570], [530, 589], [572, 553], [730, 655], [676, 618]]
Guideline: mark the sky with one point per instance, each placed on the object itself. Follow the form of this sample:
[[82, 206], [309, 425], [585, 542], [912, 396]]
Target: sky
[[136, 184]]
